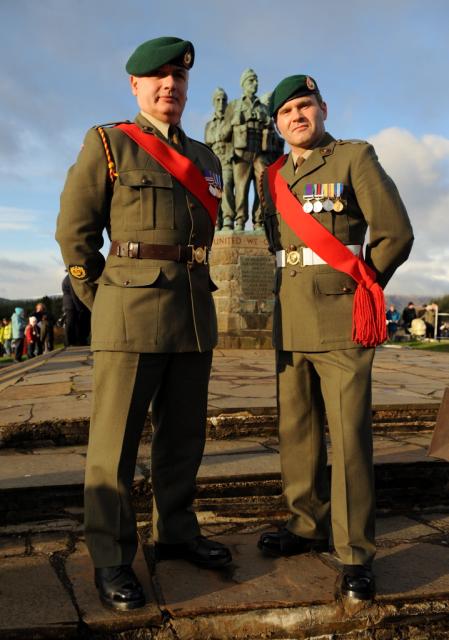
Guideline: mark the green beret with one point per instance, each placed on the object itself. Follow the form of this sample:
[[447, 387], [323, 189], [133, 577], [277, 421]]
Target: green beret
[[153, 54], [289, 88]]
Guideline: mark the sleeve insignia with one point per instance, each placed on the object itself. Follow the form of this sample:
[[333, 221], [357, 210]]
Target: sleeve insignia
[[77, 271]]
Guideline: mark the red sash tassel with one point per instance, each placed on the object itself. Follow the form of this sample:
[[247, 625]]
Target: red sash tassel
[[180, 167], [368, 314]]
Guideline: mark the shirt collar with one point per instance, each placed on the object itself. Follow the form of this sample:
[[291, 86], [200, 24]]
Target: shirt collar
[[163, 127]]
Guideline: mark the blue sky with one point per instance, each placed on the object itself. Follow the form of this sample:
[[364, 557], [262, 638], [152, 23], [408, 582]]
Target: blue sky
[[382, 67]]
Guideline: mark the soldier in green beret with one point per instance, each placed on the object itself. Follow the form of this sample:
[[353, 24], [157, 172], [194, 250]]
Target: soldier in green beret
[[153, 316], [329, 191]]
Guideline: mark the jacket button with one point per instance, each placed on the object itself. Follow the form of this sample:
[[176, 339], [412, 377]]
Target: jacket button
[[127, 282], [345, 289], [292, 273], [145, 181]]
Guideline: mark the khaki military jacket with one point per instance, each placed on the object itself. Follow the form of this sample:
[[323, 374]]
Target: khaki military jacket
[[138, 305], [313, 304]]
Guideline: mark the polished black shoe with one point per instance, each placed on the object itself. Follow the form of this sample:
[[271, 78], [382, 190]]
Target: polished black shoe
[[119, 588], [200, 551], [356, 581], [286, 543]]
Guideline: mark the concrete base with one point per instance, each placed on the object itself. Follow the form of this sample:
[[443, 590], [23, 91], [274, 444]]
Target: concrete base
[[243, 271]]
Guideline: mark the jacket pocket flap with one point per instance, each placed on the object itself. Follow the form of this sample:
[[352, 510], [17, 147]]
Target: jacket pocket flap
[[126, 277], [334, 284], [145, 178]]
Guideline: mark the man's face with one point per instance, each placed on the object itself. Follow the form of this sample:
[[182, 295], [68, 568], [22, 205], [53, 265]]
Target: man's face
[[301, 122], [220, 103], [250, 86], [163, 94]]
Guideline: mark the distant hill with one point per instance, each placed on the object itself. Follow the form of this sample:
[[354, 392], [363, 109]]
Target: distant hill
[[52, 303]]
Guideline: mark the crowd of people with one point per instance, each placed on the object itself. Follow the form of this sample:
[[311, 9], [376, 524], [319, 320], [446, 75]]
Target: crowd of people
[[33, 333], [29, 335], [417, 323]]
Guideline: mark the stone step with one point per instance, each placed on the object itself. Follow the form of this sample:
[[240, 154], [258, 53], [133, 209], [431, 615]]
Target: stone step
[[48, 482], [234, 423], [48, 589]]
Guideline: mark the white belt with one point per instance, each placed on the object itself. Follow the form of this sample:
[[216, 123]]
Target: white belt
[[305, 257]]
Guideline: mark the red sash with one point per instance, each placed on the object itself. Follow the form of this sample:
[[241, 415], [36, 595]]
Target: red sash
[[177, 165], [368, 320]]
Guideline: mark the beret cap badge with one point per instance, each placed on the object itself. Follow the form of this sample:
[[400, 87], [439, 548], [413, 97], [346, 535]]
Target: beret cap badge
[[187, 58], [310, 83]]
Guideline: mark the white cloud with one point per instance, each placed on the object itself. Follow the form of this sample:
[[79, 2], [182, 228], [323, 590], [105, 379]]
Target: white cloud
[[419, 166], [15, 219], [30, 274]]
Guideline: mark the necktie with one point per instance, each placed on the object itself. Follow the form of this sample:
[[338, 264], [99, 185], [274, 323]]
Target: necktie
[[299, 161], [174, 138]]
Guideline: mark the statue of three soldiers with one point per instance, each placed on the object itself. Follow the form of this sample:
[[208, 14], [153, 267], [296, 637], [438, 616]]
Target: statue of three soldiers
[[243, 136]]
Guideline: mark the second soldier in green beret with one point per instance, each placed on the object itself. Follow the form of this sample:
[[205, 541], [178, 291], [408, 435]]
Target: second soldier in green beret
[[335, 190], [153, 316]]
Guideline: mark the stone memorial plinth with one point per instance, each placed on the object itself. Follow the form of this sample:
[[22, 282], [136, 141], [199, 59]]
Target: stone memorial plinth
[[243, 271]]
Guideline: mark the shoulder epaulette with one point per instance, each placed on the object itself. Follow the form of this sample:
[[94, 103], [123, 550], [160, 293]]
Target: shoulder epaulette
[[110, 124], [352, 141]]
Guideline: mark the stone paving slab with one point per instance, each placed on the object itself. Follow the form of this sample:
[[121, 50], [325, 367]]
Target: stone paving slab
[[59, 387], [33, 599], [413, 570], [253, 597], [252, 581], [80, 574]]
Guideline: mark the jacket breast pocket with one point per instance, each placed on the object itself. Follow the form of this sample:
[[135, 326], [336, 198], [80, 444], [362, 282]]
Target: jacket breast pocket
[[334, 295], [147, 199]]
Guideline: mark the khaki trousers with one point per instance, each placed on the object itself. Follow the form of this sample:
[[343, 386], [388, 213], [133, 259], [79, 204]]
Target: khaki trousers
[[339, 383], [124, 386]]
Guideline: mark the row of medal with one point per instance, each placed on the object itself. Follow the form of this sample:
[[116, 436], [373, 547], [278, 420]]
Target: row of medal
[[214, 183], [327, 197]]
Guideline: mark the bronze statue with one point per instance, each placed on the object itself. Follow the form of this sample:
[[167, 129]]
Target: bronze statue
[[214, 136], [246, 125]]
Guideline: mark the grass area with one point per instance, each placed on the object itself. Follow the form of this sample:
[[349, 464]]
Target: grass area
[[442, 345]]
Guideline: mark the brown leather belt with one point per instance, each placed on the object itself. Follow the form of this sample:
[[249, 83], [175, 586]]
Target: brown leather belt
[[175, 252]]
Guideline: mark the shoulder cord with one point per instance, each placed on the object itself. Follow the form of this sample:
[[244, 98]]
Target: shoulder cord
[[111, 164]]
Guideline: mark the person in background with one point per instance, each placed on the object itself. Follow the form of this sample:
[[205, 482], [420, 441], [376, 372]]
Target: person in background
[[429, 319], [7, 336], [393, 317], [32, 338], [408, 314], [46, 335], [19, 323]]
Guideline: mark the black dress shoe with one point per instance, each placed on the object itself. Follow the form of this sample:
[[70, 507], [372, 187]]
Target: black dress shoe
[[286, 543], [119, 588], [200, 551], [356, 581]]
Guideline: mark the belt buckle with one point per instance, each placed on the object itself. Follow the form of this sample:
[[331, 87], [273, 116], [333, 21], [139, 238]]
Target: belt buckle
[[294, 257], [199, 255], [133, 250]]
